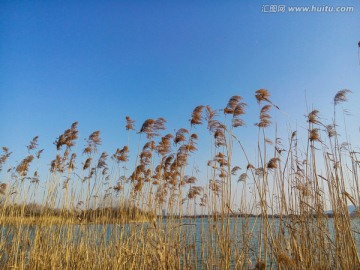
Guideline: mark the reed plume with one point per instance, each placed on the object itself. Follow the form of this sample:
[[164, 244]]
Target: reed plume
[[147, 126], [164, 146], [242, 177], [238, 111], [341, 96], [273, 163], [235, 169], [262, 95], [159, 124], [94, 138], [194, 191], [55, 164], [87, 163], [6, 154], [232, 104], [196, 117], [215, 186], [314, 134], [264, 116], [118, 187], [68, 138], [331, 131], [190, 180], [221, 159], [102, 161], [33, 144], [313, 117], [151, 127], [23, 167], [3, 188], [192, 143], [129, 123], [180, 135], [121, 155], [71, 164], [38, 153]]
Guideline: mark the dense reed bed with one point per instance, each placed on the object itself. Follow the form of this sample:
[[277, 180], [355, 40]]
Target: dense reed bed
[[270, 212]]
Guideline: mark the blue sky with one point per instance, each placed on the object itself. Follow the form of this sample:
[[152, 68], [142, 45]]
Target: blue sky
[[97, 61]]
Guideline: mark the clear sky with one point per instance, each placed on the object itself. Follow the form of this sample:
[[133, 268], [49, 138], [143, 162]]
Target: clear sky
[[97, 61]]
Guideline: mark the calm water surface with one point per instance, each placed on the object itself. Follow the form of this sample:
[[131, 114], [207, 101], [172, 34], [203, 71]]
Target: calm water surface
[[201, 234]]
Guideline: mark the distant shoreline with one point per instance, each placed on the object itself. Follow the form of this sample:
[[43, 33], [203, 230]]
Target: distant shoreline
[[31, 220], [329, 215]]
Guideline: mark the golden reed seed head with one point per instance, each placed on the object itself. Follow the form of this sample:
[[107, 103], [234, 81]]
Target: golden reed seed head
[[95, 137], [219, 136], [235, 170], [3, 188], [87, 163], [151, 126], [38, 153], [33, 144], [138, 186], [191, 180], [210, 113], [196, 117], [23, 167], [341, 96], [159, 124], [4, 157], [331, 130], [68, 137], [313, 117], [194, 191], [180, 135], [243, 177], [314, 135], [264, 116], [273, 163], [233, 102], [250, 166], [129, 123], [262, 95], [147, 125]]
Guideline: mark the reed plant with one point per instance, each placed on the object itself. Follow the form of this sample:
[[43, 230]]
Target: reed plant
[[262, 211]]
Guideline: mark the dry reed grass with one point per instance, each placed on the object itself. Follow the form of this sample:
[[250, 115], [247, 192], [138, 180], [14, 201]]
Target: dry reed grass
[[280, 221]]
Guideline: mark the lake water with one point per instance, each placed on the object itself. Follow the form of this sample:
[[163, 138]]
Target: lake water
[[201, 238]]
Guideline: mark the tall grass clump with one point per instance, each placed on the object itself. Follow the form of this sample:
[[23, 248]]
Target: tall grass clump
[[151, 207]]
